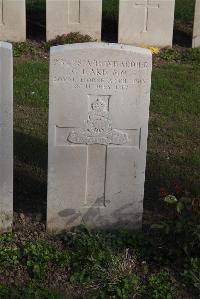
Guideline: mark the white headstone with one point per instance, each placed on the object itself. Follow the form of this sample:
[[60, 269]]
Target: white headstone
[[196, 31], [13, 20], [146, 22], [6, 137], [98, 127], [65, 16]]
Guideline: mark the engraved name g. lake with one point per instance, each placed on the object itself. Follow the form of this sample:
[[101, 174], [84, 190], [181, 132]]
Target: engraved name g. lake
[[100, 74]]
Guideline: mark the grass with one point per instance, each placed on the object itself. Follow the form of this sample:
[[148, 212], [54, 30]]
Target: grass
[[30, 134], [111, 8], [184, 10], [174, 130], [31, 79]]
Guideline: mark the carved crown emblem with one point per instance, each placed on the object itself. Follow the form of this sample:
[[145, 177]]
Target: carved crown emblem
[[98, 128]]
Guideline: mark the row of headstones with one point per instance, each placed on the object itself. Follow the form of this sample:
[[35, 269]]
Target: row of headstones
[[98, 126], [141, 22]]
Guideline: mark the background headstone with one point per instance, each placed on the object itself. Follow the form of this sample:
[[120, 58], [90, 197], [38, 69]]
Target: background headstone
[[146, 22], [65, 16], [98, 127], [196, 31], [13, 20], [6, 137]]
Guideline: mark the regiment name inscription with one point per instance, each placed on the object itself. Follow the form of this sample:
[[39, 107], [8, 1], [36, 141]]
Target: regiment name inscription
[[100, 74]]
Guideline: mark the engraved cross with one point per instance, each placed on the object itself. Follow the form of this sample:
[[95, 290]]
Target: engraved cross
[[99, 133], [98, 138], [1, 12], [74, 11], [147, 4]]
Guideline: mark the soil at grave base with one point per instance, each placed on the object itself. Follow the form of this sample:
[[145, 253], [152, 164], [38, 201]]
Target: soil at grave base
[[56, 277], [26, 228]]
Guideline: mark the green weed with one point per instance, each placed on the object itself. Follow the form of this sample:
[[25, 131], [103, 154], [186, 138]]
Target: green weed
[[192, 272], [7, 237], [160, 286], [123, 289], [4, 292], [31, 291], [170, 55], [94, 260], [9, 256], [39, 254], [181, 231], [70, 38], [90, 256], [191, 56], [24, 48]]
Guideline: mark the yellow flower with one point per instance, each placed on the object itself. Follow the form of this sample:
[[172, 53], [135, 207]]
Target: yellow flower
[[153, 50]]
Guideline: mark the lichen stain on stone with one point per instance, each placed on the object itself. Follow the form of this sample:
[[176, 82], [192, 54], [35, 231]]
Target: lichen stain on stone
[[5, 222]]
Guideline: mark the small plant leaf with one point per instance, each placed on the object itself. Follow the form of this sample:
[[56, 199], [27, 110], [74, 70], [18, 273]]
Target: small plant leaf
[[179, 207], [157, 226], [171, 199]]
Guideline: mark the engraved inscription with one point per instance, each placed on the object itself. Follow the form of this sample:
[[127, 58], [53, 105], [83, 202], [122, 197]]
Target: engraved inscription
[[100, 74], [74, 7], [98, 127], [147, 4], [1, 12]]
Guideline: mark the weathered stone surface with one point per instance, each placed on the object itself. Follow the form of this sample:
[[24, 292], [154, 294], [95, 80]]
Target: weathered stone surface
[[13, 20], [6, 137], [146, 22], [98, 127], [65, 16], [196, 31]]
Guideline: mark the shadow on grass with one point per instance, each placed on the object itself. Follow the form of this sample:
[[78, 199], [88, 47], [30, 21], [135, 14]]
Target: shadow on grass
[[110, 21], [30, 175], [31, 150], [109, 30], [182, 39], [36, 19], [158, 175], [30, 194], [165, 174]]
